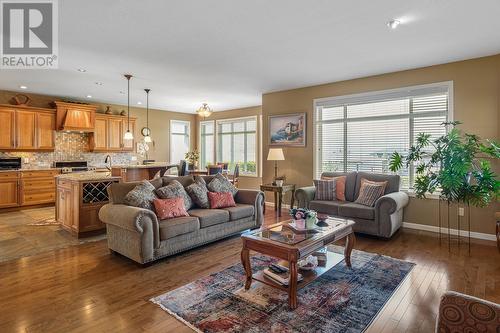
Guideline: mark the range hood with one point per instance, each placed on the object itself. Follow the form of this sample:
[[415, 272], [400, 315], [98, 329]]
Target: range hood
[[75, 117]]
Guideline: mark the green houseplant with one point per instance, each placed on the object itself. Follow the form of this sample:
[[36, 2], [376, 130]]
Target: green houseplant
[[455, 164]]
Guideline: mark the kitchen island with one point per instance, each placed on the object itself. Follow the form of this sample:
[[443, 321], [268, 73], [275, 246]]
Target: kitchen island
[[79, 198], [137, 172]]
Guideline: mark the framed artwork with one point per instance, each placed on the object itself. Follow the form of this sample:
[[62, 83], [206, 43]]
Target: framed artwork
[[288, 130]]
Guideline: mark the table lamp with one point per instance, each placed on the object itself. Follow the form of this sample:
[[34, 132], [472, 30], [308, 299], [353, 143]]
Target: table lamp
[[275, 154]]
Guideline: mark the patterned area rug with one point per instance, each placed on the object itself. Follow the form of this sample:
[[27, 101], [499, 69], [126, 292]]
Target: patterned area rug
[[341, 300]]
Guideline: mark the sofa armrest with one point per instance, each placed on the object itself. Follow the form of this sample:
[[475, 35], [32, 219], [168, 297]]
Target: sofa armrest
[[304, 195], [135, 219], [392, 202], [389, 212], [252, 197]]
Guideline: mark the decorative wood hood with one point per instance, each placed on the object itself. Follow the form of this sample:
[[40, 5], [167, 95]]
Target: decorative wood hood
[[75, 117]]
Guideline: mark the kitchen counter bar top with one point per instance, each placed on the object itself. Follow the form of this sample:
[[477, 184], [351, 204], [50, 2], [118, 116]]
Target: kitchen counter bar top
[[88, 176], [144, 166]]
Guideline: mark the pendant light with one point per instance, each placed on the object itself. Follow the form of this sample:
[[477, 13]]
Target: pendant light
[[204, 111], [128, 135], [147, 138]]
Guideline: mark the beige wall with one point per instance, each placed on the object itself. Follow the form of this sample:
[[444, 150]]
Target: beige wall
[[245, 181], [476, 104], [159, 121]]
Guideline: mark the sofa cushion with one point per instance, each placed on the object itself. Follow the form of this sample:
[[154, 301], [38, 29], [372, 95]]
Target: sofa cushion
[[142, 195], [326, 207], [184, 180], [175, 190], [325, 189], [339, 186], [210, 217], [240, 211], [221, 199], [350, 182], [355, 210], [221, 184], [370, 191], [118, 191], [199, 193], [178, 226], [392, 182], [169, 208]]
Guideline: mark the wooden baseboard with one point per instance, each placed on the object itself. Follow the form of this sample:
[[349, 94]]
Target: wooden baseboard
[[454, 232]]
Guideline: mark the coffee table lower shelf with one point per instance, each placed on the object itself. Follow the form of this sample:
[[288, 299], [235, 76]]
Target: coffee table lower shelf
[[308, 276]]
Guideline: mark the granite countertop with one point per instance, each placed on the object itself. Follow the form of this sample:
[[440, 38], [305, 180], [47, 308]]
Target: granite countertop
[[143, 166], [88, 176], [31, 169]]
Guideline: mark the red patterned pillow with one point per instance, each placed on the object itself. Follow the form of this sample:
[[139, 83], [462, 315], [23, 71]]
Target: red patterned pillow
[[221, 199], [169, 208]]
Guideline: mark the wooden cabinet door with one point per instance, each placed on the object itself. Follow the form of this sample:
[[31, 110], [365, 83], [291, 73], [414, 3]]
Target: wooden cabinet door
[[64, 207], [115, 135], [25, 129], [128, 145], [100, 136], [45, 126], [9, 193], [7, 128]]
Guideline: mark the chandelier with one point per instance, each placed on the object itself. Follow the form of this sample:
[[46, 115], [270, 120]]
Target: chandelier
[[204, 111]]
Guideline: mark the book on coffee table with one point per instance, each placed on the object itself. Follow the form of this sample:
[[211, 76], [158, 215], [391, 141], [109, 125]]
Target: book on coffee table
[[281, 278]]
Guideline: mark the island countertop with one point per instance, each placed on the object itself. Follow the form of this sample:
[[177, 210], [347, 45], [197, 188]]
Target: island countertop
[[144, 166], [89, 176]]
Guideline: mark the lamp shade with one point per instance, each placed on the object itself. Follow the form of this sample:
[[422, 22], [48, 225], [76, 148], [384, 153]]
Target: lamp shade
[[275, 154]]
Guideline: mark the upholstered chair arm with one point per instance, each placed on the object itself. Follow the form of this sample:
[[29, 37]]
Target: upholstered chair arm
[[304, 195], [252, 197], [139, 223], [389, 212]]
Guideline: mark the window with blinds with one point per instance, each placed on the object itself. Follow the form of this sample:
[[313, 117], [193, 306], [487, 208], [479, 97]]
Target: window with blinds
[[179, 139], [360, 132], [207, 143], [237, 143]]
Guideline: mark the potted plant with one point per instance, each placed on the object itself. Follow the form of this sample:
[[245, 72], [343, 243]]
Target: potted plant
[[192, 157], [454, 164]]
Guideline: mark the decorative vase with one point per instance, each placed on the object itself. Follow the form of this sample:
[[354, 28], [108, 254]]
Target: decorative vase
[[300, 224], [311, 222]]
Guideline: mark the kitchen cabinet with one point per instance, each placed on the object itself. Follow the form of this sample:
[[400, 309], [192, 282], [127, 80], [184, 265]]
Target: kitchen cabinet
[[9, 189], [38, 187], [45, 126], [108, 134], [7, 129], [25, 130]]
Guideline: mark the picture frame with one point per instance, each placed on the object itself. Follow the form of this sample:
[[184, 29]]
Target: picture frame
[[288, 130]]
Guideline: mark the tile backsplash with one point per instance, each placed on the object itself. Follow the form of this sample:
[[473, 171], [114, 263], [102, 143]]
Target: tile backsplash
[[71, 147]]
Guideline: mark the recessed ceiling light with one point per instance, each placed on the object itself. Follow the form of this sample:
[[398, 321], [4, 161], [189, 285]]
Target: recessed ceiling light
[[393, 24], [99, 83], [89, 96], [23, 87], [139, 103], [81, 70]]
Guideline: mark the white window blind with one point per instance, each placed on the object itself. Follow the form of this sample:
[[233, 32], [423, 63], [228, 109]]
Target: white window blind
[[179, 139], [360, 132], [237, 143], [207, 143]]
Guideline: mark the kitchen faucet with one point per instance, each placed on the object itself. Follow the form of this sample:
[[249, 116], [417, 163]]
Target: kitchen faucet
[[106, 160]]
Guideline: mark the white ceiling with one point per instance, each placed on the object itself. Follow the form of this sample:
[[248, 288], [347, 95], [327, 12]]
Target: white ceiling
[[228, 52]]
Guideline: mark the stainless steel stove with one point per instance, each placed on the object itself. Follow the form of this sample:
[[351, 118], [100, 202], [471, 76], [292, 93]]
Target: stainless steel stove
[[73, 166]]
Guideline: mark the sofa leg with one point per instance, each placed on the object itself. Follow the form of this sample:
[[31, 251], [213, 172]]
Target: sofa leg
[[145, 265]]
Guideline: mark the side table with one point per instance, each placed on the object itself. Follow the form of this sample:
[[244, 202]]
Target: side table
[[278, 194]]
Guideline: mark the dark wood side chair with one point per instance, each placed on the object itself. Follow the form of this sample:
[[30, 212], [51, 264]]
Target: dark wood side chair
[[224, 165], [234, 178], [214, 169]]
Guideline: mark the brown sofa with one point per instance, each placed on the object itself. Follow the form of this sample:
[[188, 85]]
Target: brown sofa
[[137, 233], [383, 220]]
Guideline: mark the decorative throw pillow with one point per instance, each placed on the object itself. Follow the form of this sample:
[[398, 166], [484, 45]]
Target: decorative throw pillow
[[174, 189], [339, 186], [370, 191], [325, 189], [220, 184], [221, 199], [141, 196], [198, 192], [169, 208]]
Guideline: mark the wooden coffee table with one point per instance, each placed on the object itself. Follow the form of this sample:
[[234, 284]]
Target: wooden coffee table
[[281, 242]]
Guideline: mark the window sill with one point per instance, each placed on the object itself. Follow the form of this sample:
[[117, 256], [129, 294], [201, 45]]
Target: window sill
[[433, 196]]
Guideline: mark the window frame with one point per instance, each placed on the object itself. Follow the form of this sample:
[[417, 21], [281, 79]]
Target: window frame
[[232, 120], [375, 96], [213, 153], [188, 134]]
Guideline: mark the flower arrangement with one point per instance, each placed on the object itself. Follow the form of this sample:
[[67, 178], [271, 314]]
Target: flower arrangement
[[192, 157], [302, 213]]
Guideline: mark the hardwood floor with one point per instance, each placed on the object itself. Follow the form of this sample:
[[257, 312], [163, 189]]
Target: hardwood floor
[[85, 289]]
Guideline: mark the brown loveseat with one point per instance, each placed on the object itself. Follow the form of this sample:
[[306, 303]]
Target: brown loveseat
[[383, 220], [137, 233]]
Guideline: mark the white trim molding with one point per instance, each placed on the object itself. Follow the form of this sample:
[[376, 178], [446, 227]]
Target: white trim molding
[[453, 232]]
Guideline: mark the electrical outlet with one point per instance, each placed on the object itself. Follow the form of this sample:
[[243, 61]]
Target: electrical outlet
[[461, 211]]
